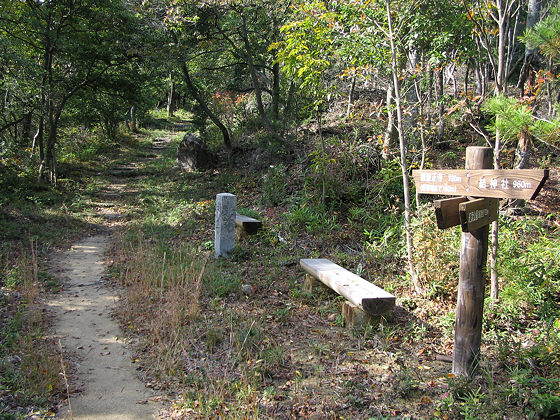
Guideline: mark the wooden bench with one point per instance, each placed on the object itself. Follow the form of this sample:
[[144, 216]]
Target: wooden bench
[[365, 301], [246, 225]]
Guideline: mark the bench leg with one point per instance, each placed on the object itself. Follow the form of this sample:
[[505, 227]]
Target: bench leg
[[310, 283], [240, 233], [355, 317]]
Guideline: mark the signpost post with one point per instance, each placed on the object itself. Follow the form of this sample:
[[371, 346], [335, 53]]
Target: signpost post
[[479, 189]]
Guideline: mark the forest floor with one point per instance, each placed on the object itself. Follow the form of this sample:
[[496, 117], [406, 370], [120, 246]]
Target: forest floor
[[278, 351]]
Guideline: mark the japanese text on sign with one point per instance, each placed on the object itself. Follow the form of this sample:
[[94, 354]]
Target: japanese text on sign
[[496, 183]]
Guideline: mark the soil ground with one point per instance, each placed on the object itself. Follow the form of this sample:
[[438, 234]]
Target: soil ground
[[104, 385]]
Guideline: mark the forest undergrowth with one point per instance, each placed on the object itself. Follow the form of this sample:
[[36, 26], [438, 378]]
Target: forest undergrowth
[[246, 341], [239, 337]]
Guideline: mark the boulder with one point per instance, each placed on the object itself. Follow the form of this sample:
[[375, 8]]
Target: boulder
[[193, 154]]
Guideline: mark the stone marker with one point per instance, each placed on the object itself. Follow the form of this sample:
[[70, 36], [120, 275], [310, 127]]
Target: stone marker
[[225, 224]]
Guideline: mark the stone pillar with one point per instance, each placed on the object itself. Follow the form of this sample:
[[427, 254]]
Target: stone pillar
[[225, 224]]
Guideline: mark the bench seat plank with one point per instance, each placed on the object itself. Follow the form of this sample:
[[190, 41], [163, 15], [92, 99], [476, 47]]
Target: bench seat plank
[[249, 224], [360, 292]]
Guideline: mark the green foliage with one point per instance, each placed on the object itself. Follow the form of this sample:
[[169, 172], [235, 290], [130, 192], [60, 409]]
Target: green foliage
[[79, 144], [527, 263], [311, 219], [512, 118], [383, 219], [307, 46], [436, 255], [545, 35], [218, 281], [274, 185], [515, 119]]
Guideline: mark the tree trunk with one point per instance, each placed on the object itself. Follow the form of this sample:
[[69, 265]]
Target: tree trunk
[[466, 84], [441, 106], [133, 126], [170, 95], [200, 100], [391, 133], [26, 130], [502, 15], [276, 91], [50, 151], [494, 289], [479, 80], [533, 15], [403, 146], [351, 96], [257, 84]]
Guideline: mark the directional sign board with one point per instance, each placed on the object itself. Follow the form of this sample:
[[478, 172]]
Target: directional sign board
[[475, 214], [492, 183], [447, 212]]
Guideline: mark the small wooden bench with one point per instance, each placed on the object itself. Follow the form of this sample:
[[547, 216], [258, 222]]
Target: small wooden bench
[[246, 225], [364, 299]]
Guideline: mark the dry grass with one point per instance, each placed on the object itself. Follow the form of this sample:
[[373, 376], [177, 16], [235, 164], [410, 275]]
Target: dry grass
[[30, 369], [161, 297]]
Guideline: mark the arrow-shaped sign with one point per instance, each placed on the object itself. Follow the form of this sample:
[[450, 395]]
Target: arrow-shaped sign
[[492, 183]]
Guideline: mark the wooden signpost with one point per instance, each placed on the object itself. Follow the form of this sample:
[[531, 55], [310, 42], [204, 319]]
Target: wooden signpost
[[479, 189]]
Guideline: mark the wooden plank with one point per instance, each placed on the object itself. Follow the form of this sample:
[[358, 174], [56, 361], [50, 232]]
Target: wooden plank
[[493, 183], [447, 212], [475, 214], [362, 293], [248, 224]]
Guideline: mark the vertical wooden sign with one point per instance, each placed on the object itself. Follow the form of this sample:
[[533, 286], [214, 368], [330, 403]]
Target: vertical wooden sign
[[470, 295]]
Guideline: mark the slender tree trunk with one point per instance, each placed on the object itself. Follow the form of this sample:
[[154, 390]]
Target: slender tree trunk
[[501, 44], [441, 106], [46, 100], [422, 135], [276, 91], [200, 100], [533, 15], [403, 146], [467, 74], [430, 99], [133, 126], [551, 108], [351, 96], [391, 133], [479, 80], [50, 151], [323, 159], [40, 140], [26, 130], [256, 83], [170, 95]]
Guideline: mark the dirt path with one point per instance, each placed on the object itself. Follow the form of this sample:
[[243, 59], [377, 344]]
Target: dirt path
[[105, 374], [103, 384]]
